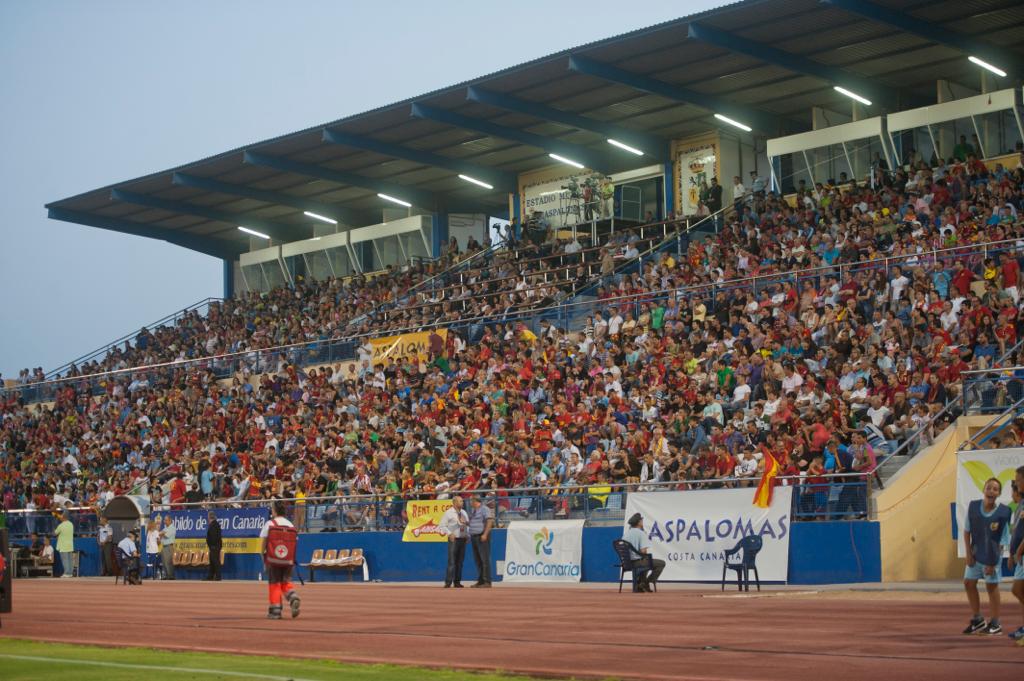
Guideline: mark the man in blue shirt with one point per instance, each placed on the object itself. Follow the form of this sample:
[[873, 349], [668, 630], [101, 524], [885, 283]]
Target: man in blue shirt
[[641, 544], [1017, 550], [986, 534]]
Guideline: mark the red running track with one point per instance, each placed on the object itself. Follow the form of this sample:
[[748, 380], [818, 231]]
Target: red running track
[[585, 632]]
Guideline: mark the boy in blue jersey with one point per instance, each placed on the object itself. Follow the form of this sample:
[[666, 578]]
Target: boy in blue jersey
[[986, 533], [1017, 550]]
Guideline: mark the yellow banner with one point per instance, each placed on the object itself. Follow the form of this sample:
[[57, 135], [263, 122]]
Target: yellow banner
[[230, 545], [423, 520], [408, 345]]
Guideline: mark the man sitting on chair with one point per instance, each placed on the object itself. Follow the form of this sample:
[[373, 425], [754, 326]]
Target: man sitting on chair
[[636, 536], [128, 557]]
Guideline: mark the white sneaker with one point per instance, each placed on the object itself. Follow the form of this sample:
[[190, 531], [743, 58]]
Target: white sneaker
[[65, 576]]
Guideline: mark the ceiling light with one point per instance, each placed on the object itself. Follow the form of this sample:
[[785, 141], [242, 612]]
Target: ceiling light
[[321, 218], [473, 180], [620, 145], [985, 65], [392, 199], [566, 161], [726, 119], [253, 232], [852, 95]]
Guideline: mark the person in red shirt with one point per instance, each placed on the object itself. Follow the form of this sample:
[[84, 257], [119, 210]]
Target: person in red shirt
[[178, 489], [1011, 275]]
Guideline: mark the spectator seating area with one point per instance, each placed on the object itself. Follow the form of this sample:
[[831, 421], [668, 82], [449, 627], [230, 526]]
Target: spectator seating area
[[821, 335]]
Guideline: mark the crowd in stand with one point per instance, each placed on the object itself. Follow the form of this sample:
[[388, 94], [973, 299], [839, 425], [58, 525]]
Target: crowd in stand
[[687, 372]]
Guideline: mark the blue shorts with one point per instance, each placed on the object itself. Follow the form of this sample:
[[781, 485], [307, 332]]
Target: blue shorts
[[1018, 573], [977, 571]]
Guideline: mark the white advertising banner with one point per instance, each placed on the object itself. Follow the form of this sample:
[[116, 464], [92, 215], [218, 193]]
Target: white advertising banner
[[696, 165], [544, 551], [972, 470], [691, 530], [569, 200]]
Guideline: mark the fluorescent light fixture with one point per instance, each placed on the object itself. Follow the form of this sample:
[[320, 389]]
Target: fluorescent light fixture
[[566, 161], [626, 147], [726, 119], [852, 95], [985, 65], [473, 180], [253, 232], [392, 199], [321, 218]]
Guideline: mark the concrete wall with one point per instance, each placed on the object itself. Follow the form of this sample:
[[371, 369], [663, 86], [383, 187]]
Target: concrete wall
[[913, 511]]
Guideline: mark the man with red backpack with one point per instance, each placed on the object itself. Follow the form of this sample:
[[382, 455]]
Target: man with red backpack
[[277, 545]]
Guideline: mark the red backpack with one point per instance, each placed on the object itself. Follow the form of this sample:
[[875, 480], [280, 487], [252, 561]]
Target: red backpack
[[281, 541]]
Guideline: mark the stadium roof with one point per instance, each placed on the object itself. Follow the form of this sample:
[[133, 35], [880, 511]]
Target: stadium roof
[[762, 62]]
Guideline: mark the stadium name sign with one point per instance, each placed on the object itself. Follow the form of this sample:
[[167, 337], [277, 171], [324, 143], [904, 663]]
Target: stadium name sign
[[544, 551], [691, 530]]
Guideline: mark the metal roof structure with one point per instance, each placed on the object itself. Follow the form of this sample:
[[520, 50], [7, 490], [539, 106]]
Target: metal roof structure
[[762, 62]]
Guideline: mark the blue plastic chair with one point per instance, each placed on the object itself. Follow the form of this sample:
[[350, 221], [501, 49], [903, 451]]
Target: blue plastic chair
[[748, 548]]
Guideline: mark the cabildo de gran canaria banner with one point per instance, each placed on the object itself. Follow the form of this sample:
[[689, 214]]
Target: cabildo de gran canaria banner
[[691, 530], [423, 520], [239, 527]]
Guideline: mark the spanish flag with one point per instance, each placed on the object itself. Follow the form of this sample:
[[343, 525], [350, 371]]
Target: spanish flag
[[763, 495]]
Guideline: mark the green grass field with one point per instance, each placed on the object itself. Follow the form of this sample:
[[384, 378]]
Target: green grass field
[[33, 661]]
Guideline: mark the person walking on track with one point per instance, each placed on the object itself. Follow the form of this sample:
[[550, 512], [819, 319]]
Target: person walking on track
[[278, 540]]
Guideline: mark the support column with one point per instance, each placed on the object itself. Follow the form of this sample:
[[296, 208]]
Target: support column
[[438, 232], [670, 188], [229, 278], [986, 124], [943, 132]]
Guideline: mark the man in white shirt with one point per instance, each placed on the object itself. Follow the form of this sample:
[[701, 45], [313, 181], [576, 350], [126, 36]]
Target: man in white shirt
[[129, 556], [454, 525], [641, 550]]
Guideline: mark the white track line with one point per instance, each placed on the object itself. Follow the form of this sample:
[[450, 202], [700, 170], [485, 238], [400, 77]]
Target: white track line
[[153, 667]]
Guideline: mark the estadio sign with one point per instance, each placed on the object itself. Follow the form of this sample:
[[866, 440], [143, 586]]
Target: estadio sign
[[691, 530]]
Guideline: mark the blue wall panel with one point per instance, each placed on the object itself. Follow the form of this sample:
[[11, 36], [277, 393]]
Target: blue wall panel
[[819, 553], [835, 553]]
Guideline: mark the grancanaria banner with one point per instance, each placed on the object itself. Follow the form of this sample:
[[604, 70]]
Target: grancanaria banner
[[408, 345], [544, 551], [423, 520], [241, 545]]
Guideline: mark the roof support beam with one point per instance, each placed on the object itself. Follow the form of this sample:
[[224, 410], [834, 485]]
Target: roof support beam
[[649, 144], [410, 194], [791, 62], [575, 152], [339, 213], [217, 248], [276, 231], [941, 35], [500, 180], [761, 121]]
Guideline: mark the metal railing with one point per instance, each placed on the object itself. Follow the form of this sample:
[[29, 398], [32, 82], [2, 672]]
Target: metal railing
[[827, 497], [101, 352]]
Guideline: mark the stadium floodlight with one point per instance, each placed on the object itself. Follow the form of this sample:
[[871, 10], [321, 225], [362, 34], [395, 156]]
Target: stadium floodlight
[[392, 199], [321, 218], [852, 95], [985, 65], [473, 180], [626, 147], [726, 119], [566, 161], [253, 232]]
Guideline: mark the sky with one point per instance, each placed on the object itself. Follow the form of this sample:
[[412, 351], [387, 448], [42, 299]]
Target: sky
[[93, 93]]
